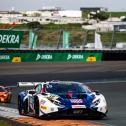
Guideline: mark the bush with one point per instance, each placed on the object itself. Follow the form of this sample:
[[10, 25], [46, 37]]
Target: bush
[[101, 16], [33, 25]]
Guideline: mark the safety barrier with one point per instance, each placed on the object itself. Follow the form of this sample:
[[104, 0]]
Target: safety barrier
[[49, 56], [61, 55], [114, 55]]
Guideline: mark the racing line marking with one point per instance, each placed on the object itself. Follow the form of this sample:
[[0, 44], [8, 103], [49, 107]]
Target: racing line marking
[[106, 124], [105, 81]]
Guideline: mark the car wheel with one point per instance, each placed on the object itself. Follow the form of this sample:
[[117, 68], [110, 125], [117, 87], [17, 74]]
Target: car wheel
[[20, 110], [99, 116], [36, 105], [20, 107], [25, 107]]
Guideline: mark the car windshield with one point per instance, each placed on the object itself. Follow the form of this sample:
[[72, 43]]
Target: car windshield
[[66, 87], [2, 89]]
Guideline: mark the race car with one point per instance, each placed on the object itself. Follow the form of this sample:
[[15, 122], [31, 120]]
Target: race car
[[5, 94], [65, 98]]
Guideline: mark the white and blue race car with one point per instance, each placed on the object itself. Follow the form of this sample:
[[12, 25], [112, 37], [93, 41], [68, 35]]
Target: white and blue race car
[[66, 98]]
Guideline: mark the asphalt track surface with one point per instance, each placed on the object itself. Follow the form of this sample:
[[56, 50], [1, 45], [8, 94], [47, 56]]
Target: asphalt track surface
[[113, 74]]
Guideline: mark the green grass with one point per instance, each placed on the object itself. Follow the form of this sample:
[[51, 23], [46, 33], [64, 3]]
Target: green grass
[[3, 123], [116, 14], [85, 14]]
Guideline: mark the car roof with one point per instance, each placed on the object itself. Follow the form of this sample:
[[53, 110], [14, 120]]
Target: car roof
[[64, 82], [59, 82]]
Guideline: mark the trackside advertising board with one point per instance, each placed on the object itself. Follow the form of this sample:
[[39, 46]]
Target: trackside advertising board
[[51, 57], [10, 38]]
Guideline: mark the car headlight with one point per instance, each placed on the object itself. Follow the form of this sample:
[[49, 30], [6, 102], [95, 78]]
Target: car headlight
[[96, 102], [56, 102], [5, 95]]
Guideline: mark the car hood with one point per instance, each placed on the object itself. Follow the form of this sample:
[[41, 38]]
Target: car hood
[[69, 100]]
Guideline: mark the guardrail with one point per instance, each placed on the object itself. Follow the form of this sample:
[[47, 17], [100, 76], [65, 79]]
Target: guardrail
[[61, 55]]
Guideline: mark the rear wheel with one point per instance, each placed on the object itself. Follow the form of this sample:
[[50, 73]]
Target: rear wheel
[[26, 107], [20, 109]]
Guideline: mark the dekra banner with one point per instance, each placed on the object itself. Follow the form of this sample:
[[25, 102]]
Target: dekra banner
[[10, 38]]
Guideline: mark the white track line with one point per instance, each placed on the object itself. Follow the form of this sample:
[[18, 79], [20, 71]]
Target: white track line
[[105, 81], [105, 124], [9, 112], [12, 113]]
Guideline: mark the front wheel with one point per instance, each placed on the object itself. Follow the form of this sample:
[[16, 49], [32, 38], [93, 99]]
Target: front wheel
[[36, 107], [100, 116]]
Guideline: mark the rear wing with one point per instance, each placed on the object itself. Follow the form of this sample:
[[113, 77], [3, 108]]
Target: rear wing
[[28, 84]]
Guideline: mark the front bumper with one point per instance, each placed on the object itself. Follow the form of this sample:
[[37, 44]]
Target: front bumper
[[76, 113]]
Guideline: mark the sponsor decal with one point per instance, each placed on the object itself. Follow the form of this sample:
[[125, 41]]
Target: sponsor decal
[[49, 86], [42, 102], [4, 57], [66, 39], [52, 97], [91, 59], [76, 100], [16, 59], [10, 39], [75, 57], [78, 106], [43, 107], [77, 111], [44, 57]]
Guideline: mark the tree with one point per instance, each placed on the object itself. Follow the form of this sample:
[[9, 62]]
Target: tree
[[34, 24], [37, 14], [124, 19], [101, 16], [25, 15]]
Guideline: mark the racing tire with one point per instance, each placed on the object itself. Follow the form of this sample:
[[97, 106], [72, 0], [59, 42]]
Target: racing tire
[[36, 107], [26, 107], [20, 109], [99, 117]]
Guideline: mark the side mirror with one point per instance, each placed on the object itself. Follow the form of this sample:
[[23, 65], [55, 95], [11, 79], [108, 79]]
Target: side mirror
[[32, 92]]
